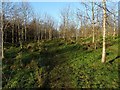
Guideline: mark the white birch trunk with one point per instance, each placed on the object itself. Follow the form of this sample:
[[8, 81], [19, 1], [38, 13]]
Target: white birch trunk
[[114, 26], [104, 32], [93, 22], [2, 31]]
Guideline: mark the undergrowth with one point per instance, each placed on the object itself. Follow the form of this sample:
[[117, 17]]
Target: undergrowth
[[60, 64]]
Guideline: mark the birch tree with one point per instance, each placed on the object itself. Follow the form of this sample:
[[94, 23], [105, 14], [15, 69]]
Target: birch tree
[[93, 26], [80, 18], [26, 11], [115, 21], [114, 26], [2, 31], [18, 22], [65, 20], [104, 32], [6, 8], [50, 26]]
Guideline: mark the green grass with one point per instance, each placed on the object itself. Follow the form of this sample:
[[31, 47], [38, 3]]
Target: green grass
[[61, 64]]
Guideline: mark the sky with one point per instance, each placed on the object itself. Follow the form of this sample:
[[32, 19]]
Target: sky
[[52, 8]]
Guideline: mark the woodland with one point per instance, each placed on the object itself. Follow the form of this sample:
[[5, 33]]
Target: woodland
[[80, 52]]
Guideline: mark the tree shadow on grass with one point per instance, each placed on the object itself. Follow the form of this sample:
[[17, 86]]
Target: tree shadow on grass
[[111, 61], [51, 59]]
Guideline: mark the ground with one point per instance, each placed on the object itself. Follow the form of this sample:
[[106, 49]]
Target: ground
[[61, 64]]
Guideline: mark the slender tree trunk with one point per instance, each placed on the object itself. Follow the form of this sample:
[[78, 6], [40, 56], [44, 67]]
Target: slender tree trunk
[[22, 38], [19, 35], [114, 26], [25, 32], [85, 27], [2, 43], [104, 32], [5, 36], [93, 22], [39, 40], [41, 35], [16, 34], [59, 34], [50, 34], [85, 32], [24, 11], [82, 31], [64, 31], [45, 34], [64, 34], [76, 34], [2, 31], [22, 32], [13, 34], [38, 29]]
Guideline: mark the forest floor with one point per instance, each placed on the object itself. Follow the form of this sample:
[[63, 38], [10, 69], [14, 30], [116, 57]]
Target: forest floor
[[61, 64]]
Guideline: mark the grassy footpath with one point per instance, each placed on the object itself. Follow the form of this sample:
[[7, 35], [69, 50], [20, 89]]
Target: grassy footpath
[[56, 63]]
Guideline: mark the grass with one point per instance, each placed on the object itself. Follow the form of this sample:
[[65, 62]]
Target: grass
[[60, 64]]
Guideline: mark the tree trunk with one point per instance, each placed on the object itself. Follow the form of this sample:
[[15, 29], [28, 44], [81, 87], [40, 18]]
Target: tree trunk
[[2, 31], [2, 44], [104, 32], [2, 41], [114, 26], [5, 36], [19, 35], [50, 34], [93, 22], [16, 35], [45, 34], [13, 34], [22, 32], [76, 35], [25, 32], [85, 27], [41, 35]]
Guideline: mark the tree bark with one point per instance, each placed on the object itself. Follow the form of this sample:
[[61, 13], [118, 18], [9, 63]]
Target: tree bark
[[50, 34], [2, 31], [93, 22], [25, 32], [45, 34], [13, 33], [104, 32], [19, 35], [114, 26]]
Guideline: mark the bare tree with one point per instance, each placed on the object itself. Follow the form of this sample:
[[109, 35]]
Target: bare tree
[[19, 33], [5, 9], [115, 21], [26, 11], [13, 24], [80, 18], [65, 20], [87, 18], [114, 26], [2, 31], [98, 21], [93, 26], [104, 31], [50, 23], [18, 22]]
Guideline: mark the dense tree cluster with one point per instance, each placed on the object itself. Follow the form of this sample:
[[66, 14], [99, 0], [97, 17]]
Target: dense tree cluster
[[19, 24]]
